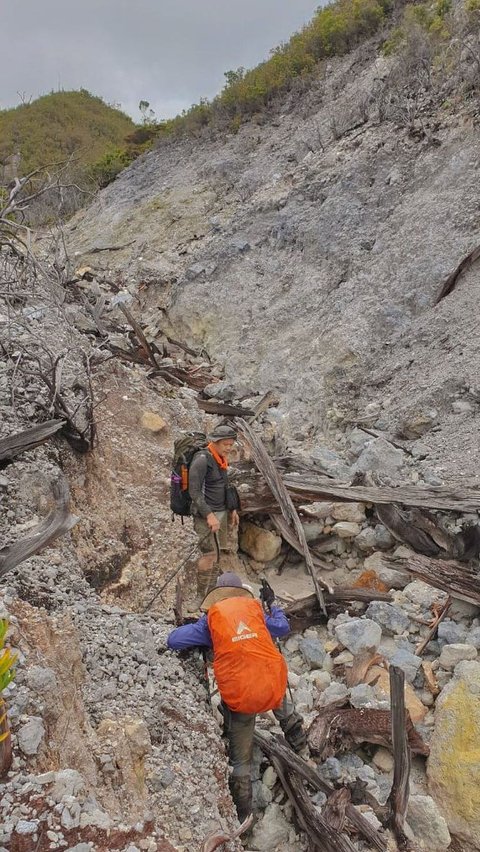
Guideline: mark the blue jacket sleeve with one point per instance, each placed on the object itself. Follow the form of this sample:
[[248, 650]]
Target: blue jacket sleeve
[[190, 636], [277, 623]]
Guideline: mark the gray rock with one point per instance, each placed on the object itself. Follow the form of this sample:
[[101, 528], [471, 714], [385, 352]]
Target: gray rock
[[25, 826], [365, 540], [363, 695], [380, 456], [428, 824], [272, 830], [331, 463], [330, 769], [391, 618], [41, 680], [408, 662], [451, 633], [424, 595], [68, 782], [333, 693], [384, 540], [359, 634], [30, 735], [313, 652], [473, 637]]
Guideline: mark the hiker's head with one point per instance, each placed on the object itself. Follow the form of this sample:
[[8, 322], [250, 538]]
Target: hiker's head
[[224, 438], [228, 585]]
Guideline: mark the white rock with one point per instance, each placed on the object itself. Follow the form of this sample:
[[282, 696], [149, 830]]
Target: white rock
[[451, 655]]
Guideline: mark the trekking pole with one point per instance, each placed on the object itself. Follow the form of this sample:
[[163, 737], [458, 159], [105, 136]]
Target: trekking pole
[[266, 587], [177, 571]]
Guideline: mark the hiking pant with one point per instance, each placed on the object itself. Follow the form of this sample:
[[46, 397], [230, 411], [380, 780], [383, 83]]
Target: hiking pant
[[227, 534], [239, 727]]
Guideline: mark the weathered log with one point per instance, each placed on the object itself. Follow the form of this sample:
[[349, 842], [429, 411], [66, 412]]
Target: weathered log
[[275, 748], [57, 523], [304, 612], [398, 798], [213, 406], [442, 497], [335, 808], [457, 579], [146, 346], [403, 528], [361, 664], [268, 400], [337, 729], [324, 837], [304, 487], [20, 442], [277, 487]]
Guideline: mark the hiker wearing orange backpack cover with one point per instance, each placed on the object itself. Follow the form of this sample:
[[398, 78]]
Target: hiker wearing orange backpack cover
[[250, 671]]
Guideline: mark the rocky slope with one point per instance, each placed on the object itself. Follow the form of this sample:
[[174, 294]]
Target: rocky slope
[[313, 246], [306, 254]]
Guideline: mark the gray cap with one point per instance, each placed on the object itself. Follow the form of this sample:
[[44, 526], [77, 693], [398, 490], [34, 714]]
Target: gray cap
[[222, 433]]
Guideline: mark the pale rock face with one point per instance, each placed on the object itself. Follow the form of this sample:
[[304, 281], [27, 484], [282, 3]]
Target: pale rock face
[[453, 767], [153, 422]]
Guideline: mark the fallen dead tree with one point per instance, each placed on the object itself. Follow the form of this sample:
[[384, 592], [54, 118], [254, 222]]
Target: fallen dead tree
[[398, 798], [20, 442], [456, 578], [305, 487], [305, 612], [277, 487], [276, 750], [57, 523]]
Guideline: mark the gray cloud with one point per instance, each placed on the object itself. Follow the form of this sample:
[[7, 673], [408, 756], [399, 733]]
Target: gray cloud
[[168, 52]]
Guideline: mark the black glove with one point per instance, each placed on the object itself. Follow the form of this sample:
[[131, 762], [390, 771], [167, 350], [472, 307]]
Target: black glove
[[267, 595]]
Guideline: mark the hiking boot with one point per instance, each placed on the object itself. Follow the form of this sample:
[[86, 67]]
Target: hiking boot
[[241, 792], [205, 582], [294, 733]]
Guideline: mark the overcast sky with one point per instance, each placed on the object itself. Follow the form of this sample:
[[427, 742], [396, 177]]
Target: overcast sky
[[168, 52]]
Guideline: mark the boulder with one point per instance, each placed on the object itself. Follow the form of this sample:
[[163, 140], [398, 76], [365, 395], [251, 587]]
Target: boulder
[[272, 830], [331, 463], [453, 767], [30, 735], [352, 512], [380, 456], [153, 422], [391, 618], [262, 545], [408, 662], [346, 529], [380, 680], [453, 654], [359, 634], [392, 578], [451, 633], [427, 823], [312, 652]]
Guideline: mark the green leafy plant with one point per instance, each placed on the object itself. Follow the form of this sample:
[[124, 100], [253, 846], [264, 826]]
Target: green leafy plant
[[7, 661]]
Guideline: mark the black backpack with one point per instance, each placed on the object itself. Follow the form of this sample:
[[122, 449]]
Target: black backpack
[[184, 450]]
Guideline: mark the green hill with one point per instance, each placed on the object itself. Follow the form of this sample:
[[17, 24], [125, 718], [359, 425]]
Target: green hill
[[62, 125]]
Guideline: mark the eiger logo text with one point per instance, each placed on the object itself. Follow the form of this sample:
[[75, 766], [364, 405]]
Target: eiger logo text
[[244, 632]]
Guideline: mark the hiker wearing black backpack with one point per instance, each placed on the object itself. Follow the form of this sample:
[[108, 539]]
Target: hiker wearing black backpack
[[212, 511], [200, 488], [250, 672]]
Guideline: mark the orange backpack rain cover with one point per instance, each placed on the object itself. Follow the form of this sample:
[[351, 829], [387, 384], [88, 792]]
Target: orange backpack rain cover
[[250, 671]]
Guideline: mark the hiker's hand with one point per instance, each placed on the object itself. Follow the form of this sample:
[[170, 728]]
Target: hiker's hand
[[213, 522], [234, 518], [267, 595]]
